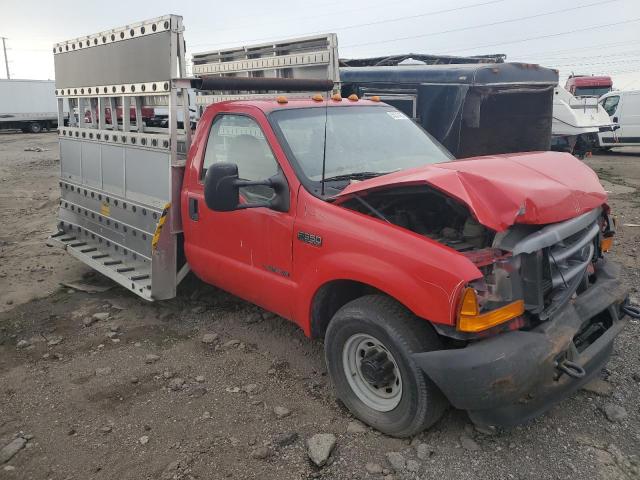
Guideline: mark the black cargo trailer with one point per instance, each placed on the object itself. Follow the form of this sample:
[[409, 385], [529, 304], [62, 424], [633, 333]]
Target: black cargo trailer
[[472, 109]]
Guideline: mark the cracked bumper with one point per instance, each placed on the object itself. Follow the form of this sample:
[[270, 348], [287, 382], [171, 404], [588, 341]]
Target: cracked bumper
[[511, 378]]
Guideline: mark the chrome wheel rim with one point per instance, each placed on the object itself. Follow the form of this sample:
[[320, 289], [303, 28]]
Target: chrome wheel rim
[[372, 372]]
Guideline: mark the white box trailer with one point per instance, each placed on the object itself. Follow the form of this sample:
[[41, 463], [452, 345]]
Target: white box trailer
[[28, 105]]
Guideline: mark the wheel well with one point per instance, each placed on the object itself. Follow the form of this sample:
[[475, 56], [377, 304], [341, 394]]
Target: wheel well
[[330, 298]]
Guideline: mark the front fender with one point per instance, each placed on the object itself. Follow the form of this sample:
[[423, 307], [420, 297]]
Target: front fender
[[432, 300]]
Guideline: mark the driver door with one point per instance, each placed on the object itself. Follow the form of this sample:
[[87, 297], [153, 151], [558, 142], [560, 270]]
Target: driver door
[[247, 252]]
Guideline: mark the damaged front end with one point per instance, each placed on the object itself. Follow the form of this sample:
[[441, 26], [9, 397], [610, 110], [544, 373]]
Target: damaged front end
[[540, 319], [425, 211], [536, 326], [572, 309]]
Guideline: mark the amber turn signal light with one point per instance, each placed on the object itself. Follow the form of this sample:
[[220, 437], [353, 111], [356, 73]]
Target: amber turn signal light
[[606, 243], [471, 320]]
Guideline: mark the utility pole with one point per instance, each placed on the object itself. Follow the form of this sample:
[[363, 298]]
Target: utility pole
[[6, 60]]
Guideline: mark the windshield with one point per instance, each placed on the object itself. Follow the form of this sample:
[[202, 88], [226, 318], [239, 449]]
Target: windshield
[[591, 91], [362, 142]]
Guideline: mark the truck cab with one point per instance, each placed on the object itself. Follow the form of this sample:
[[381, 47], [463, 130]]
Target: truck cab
[[481, 283], [588, 85]]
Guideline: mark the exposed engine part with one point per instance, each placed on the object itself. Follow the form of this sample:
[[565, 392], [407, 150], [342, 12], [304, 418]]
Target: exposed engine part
[[427, 212]]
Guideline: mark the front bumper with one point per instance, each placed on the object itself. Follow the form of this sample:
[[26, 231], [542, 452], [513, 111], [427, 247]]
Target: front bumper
[[512, 377]]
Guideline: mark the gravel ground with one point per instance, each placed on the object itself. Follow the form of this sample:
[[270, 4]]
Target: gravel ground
[[206, 386]]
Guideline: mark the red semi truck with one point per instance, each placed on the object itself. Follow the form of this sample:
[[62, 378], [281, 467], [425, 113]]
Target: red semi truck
[[588, 85], [481, 283]]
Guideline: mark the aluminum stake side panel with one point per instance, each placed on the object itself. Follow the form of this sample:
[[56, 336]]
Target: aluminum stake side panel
[[301, 58], [119, 167]]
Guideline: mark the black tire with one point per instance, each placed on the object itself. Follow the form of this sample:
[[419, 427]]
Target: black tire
[[35, 127], [402, 334]]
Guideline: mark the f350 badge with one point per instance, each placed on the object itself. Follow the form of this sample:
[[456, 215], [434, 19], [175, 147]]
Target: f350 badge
[[310, 238]]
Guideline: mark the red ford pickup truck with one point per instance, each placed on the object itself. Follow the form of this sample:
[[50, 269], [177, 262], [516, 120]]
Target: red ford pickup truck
[[482, 283]]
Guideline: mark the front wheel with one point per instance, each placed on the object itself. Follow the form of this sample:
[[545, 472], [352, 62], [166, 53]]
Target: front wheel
[[368, 348]]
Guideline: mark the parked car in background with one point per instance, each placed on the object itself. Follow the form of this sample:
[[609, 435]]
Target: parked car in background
[[624, 110]]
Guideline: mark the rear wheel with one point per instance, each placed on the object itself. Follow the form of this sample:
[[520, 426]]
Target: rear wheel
[[35, 127], [368, 348]]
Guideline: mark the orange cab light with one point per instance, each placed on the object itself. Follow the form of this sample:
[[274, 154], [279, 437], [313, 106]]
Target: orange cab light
[[471, 320], [606, 243], [282, 99], [375, 98], [317, 97], [337, 97], [353, 97]]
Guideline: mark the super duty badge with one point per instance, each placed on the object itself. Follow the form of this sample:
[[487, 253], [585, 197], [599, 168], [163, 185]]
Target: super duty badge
[[310, 238]]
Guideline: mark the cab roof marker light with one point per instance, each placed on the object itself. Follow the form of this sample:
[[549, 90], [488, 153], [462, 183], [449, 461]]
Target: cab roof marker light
[[336, 97], [282, 99], [317, 98], [353, 97]]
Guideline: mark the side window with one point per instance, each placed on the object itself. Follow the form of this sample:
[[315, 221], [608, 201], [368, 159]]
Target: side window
[[610, 104], [239, 139]]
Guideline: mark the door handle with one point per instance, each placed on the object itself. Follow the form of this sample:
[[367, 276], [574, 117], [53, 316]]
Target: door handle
[[193, 209], [615, 119]]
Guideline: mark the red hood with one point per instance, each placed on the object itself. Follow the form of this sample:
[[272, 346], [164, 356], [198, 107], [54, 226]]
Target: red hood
[[534, 188]]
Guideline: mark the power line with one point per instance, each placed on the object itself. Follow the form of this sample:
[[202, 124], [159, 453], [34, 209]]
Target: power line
[[587, 64], [589, 47], [552, 35], [379, 22], [588, 57], [491, 24], [294, 19]]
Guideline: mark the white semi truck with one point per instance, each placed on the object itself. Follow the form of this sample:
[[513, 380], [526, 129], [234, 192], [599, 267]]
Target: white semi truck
[[28, 105]]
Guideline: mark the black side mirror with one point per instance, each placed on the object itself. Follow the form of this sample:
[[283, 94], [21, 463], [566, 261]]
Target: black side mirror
[[221, 192], [222, 189]]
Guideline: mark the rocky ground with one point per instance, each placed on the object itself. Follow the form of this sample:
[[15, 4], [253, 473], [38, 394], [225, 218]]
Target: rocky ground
[[103, 385]]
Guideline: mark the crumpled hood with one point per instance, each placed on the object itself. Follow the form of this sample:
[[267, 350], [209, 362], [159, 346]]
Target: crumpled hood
[[501, 190]]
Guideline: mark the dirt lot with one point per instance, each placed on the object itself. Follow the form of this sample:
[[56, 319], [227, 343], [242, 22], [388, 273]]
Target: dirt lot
[[134, 393]]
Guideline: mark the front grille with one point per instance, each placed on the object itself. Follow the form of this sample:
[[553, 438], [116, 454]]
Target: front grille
[[553, 260], [570, 257]]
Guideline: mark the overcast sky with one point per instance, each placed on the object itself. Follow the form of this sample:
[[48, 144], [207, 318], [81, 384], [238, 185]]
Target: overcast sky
[[583, 36]]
